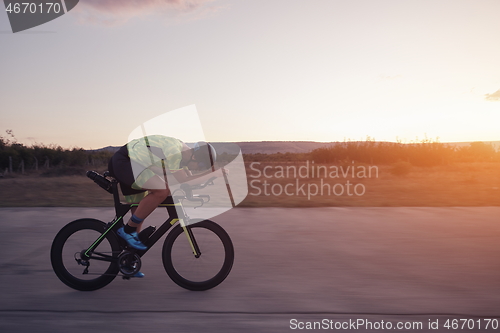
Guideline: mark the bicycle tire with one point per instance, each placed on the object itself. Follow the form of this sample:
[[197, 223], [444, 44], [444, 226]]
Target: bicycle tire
[[76, 237], [205, 272]]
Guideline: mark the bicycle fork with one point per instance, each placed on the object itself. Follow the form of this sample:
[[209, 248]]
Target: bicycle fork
[[191, 240]]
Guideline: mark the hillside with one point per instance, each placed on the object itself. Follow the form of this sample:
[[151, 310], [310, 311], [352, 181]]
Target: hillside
[[263, 147], [273, 147]]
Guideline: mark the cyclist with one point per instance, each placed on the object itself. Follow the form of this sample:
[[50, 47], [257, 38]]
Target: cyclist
[[143, 168]]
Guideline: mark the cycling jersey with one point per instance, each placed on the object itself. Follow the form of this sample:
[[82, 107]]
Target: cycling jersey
[[131, 164], [153, 151]]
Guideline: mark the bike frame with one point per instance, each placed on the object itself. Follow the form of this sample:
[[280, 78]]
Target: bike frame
[[172, 205]]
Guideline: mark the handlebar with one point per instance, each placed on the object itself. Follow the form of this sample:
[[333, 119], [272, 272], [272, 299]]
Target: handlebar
[[187, 187], [188, 190]]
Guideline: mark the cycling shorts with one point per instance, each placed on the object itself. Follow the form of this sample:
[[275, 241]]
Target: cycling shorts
[[120, 167]]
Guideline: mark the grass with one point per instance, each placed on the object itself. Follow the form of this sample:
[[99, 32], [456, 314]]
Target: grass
[[460, 184], [65, 191]]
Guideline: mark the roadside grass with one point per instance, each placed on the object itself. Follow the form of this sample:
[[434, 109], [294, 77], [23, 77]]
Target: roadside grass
[[65, 191], [459, 184]]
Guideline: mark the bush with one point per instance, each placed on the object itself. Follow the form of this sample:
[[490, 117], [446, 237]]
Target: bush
[[64, 171]]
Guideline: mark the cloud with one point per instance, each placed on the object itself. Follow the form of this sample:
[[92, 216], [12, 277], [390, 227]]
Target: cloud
[[121, 6], [493, 97], [117, 12]]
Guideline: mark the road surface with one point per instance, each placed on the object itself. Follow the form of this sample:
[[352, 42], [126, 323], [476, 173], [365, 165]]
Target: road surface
[[293, 268]]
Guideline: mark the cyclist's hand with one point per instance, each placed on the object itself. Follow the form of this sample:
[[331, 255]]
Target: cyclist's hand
[[187, 171]]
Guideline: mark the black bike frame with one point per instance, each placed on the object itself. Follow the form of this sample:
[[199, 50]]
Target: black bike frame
[[122, 209]]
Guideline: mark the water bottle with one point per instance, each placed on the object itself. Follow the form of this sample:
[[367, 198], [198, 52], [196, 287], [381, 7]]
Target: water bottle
[[146, 233], [100, 180]]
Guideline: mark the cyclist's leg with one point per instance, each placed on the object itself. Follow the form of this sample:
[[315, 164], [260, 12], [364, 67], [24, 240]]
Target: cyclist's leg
[[120, 167], [148, 204], [130, 231]]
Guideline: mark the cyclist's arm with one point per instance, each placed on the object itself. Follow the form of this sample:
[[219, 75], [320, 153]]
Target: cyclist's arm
[[181, 176], [185, 175]]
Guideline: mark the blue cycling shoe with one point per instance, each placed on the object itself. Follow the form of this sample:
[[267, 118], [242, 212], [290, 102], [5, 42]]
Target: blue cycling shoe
[[138, 275], [132, 239]]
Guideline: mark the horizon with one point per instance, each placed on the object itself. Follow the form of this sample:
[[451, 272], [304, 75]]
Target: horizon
[[495, 143]]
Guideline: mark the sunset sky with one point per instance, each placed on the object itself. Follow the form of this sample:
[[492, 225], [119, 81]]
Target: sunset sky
[[256, 70]]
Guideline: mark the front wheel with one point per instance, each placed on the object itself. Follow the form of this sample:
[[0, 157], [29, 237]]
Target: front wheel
[[81, 269], [210, 268]]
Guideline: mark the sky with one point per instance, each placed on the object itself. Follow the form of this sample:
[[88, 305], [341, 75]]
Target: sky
[[275, 70]]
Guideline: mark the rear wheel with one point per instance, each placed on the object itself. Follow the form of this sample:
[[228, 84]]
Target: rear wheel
[[210, 268], [82, 271]]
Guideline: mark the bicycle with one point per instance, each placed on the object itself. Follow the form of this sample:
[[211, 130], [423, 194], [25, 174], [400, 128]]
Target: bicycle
[[87, 254]]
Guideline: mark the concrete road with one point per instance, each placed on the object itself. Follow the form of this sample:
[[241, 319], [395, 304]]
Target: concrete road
[[322, 268]]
